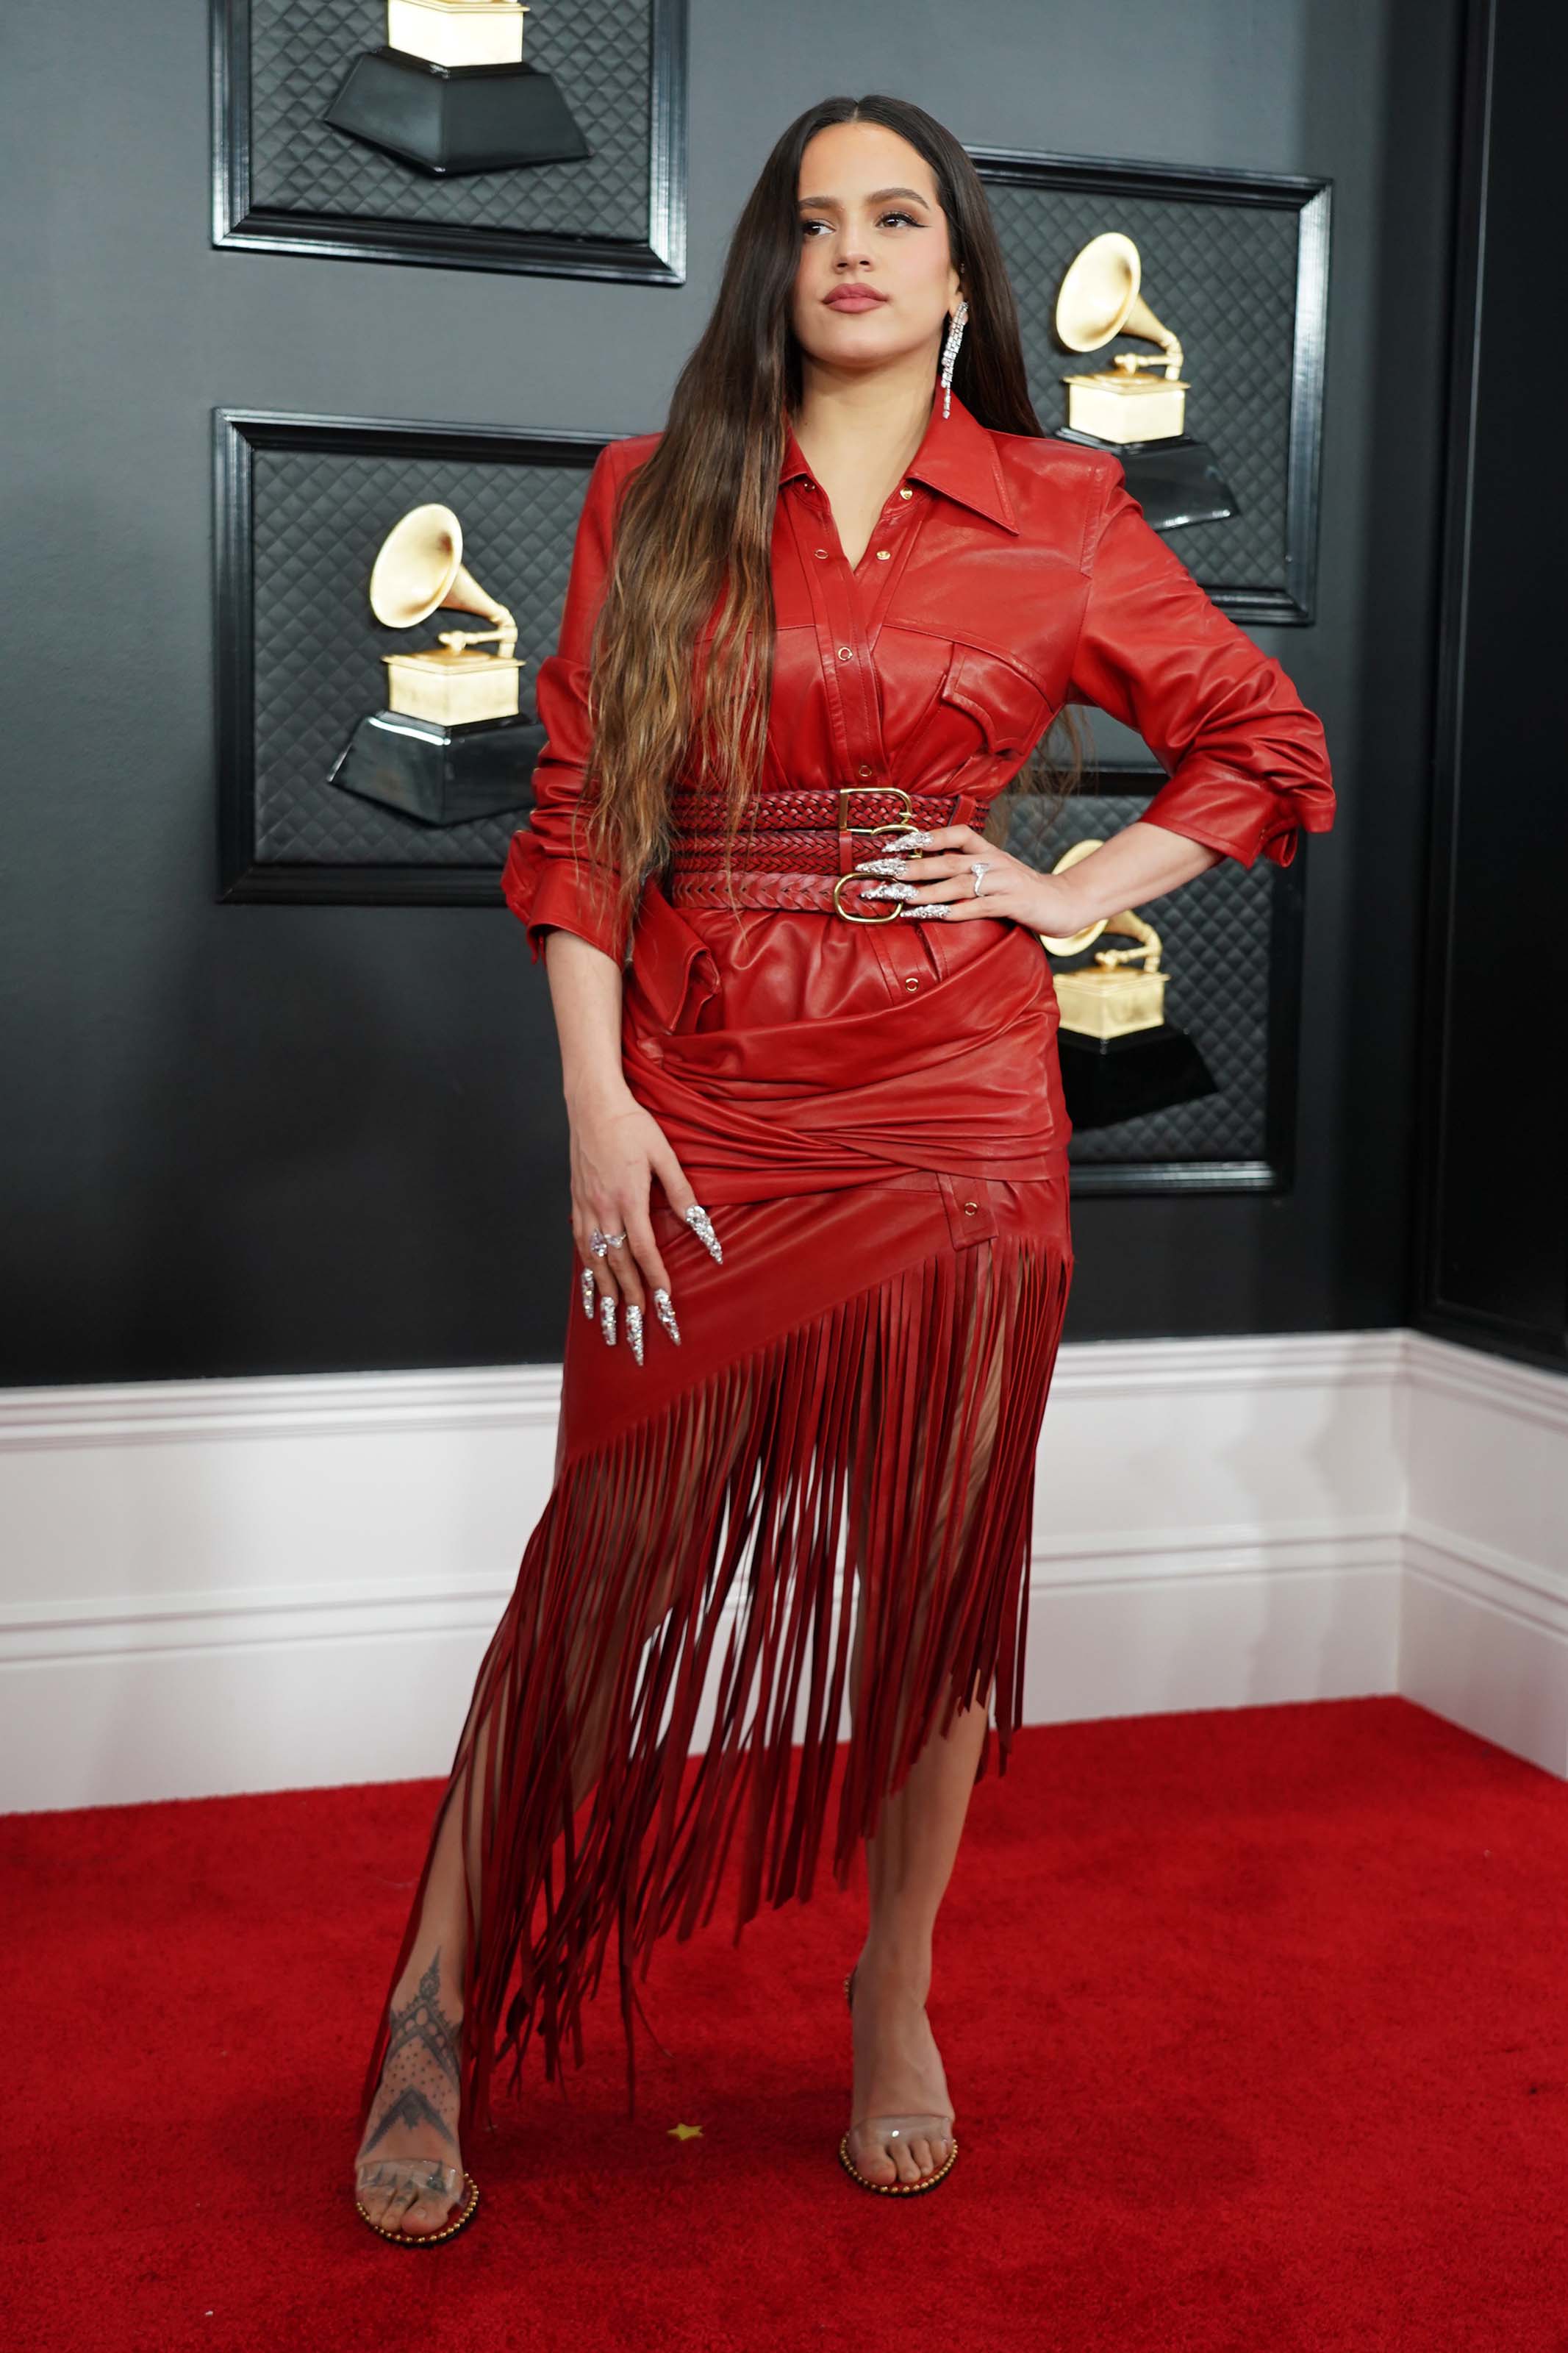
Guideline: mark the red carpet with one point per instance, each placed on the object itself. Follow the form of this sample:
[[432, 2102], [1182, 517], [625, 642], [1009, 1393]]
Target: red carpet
[[1257, 2025]]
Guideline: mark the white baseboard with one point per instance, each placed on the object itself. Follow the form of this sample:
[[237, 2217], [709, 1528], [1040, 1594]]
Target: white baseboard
[[1483, 1625], [220, 1585]]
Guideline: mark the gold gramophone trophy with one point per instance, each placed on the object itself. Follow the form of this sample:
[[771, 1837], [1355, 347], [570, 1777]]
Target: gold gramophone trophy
[[449, 92], [449, 745], [1118, 1053], [1141, 417]]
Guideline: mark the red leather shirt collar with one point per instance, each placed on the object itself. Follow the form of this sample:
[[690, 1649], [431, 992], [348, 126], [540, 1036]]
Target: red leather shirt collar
[[957, 456]]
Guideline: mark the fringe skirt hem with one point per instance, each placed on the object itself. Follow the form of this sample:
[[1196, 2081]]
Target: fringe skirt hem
[[711, 1553]]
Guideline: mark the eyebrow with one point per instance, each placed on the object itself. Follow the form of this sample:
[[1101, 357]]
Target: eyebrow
[[830, 203]]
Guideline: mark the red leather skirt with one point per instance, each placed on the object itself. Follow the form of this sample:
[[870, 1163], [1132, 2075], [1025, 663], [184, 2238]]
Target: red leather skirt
[[810, 1520]]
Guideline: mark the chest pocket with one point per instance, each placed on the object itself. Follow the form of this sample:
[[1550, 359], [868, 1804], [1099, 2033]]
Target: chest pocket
[[1010, 710]]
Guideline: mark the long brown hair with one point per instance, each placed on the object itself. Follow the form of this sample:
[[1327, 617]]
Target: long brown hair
[[696, 520]]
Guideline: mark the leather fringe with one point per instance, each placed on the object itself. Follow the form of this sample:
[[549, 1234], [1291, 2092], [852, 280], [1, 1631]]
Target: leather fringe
[[891, 1439]]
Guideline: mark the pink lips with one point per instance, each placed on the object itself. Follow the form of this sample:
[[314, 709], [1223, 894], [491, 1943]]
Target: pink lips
[[862, 298]]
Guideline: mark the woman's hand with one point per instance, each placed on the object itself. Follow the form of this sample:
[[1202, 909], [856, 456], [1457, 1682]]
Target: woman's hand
[[943, 878], [1143, 861], [617, 1148]]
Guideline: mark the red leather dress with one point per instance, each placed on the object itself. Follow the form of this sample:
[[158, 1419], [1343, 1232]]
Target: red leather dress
[[872, 1113]]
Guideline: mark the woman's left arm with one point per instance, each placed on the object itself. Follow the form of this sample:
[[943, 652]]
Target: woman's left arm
[[1248, 768]]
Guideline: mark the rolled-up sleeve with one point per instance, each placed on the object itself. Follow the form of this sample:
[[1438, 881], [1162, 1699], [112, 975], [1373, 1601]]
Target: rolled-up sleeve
[[550, 880], [1248, 763]]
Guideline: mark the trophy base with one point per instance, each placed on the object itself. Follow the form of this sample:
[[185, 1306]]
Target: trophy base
[[441, 776], [1175, 482], [1107, 1079], [446, 119]]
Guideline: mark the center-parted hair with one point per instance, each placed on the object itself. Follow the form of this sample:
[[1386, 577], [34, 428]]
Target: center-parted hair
[[694, 530]]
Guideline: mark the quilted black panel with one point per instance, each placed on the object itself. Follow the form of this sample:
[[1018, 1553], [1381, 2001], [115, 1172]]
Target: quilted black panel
[[598, 51], [1223, 276], [1214, 938], [318, 520]]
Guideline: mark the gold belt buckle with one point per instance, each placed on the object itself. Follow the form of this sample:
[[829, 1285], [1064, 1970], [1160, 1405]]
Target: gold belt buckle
[[903, 823]]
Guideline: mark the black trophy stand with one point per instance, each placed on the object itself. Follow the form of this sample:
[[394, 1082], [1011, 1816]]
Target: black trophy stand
[[441, 775], [1107, 1079], [450, 119]]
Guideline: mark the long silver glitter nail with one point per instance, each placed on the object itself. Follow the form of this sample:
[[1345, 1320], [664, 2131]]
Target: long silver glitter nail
[[879, 866], [889, 891], [586, 1280], [915, 840], [607, 1318], [665, 1311], [701, 1225], [937, 907], [634, 1328]]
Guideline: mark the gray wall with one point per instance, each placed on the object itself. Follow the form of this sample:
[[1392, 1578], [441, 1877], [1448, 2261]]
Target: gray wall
[[259, 1139]]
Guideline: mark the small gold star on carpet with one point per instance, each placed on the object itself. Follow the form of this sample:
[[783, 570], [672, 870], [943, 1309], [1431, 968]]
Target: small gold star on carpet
[[686, 2132]]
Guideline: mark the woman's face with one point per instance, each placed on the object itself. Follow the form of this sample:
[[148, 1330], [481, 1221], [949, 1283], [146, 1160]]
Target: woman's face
[[870, 221]]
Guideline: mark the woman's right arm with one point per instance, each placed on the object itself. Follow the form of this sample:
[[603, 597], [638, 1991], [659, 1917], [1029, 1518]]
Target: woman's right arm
[[616, 1145], [567, 904]]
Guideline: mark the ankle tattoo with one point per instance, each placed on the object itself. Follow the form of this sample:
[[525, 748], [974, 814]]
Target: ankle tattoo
[[423, 2057], [423, 2025]]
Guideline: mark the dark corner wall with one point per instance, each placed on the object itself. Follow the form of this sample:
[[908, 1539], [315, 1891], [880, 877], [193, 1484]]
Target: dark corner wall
[[272, 1139], [1492, 1228]]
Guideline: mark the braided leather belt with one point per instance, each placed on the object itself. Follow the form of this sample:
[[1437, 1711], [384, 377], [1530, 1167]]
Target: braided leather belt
[[754, 886], [785, 853], [801, 848], [850, 808]]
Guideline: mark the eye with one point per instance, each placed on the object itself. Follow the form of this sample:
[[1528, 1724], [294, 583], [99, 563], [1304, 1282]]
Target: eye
[[807, 223]]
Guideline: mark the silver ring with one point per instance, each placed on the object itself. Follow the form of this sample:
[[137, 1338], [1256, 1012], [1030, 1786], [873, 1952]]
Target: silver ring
[[600, 1242], [977, 867]]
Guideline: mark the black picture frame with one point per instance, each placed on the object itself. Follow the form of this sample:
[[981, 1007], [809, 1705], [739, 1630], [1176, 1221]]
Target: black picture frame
[[1274, 1171], [238, 434], [1291, 602], [657, 258]]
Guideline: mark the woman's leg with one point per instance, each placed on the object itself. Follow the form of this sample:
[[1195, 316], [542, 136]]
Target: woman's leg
[[909, 1860], [411, 2129]]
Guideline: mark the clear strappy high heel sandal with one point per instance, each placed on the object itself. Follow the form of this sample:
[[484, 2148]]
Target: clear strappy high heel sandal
[[431, 2178], [905, 2128]]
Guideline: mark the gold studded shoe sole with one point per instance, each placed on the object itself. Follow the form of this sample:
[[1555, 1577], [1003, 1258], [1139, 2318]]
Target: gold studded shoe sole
[[898, 2188], [459, 2221], [892, 2189]]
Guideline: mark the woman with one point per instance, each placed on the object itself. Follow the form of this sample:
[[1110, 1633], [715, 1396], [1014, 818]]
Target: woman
[[817, 1127]]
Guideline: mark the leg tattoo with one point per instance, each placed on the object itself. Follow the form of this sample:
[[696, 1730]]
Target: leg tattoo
[[424, 2024], [423, 2063]]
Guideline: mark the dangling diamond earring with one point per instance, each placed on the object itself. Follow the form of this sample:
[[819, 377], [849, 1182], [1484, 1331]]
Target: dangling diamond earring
[[950, 352]]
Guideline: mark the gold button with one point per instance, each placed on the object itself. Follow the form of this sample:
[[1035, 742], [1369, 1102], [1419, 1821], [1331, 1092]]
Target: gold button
[[864, 769], [969, 1207], [821, 550], [906, 493], [883, 553], [846, 653], [911, 984]]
